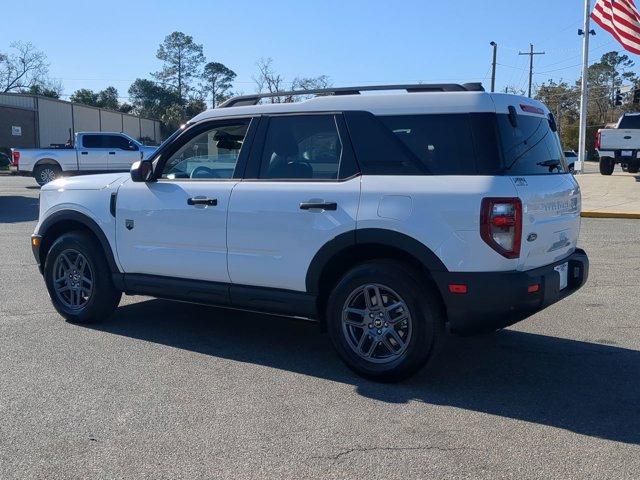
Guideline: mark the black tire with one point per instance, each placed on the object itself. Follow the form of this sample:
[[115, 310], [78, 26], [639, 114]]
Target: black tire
[[426, 321], [633, 168], [607, 164], [103, 298], [46, 173]]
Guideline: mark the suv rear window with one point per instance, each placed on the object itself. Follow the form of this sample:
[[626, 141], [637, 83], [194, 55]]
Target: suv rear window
[[630, 122], [531, 147]]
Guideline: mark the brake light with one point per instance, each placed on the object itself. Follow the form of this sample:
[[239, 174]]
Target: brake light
[[16, 158], [501, 225], [598, 140]]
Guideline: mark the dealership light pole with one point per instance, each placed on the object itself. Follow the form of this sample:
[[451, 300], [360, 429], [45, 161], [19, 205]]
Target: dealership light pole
[[493, 66]]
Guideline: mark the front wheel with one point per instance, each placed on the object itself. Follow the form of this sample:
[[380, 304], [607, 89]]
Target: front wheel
[[607, 164], [384, 321], [46, 173], [79, 280]]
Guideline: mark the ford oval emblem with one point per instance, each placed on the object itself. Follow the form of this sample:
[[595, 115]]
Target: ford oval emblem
[[532, 237]]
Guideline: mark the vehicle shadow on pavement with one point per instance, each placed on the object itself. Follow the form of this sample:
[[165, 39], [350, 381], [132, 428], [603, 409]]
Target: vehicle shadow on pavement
[[588, 388], [14, 209]]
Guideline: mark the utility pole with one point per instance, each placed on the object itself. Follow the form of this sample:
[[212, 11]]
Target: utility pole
[[493, 66], [586, 32], [531, 53]]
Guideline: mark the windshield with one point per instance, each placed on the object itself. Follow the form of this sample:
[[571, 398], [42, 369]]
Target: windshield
[[531, 147]]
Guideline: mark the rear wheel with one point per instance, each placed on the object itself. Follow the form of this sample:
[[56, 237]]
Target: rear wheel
[[384, 322], [607, 165], [79, 280], [46, 173], [633, 168]]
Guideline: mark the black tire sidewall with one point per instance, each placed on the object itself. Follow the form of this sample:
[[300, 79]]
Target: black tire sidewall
[[104, 298], [607, 165], [37, 173], [424, 313]]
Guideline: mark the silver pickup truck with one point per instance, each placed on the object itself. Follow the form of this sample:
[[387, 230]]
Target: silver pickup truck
[[91, 152], [620, 145]]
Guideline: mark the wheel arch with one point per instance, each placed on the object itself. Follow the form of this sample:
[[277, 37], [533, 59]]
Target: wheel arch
[[47, 161], [65, 221], [345, 251]]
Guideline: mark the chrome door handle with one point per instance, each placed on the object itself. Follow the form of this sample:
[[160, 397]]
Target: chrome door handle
[[211, 202], [318, 206]]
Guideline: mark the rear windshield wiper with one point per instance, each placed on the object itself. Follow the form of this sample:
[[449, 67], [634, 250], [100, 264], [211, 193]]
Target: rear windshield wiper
[[551, 164]]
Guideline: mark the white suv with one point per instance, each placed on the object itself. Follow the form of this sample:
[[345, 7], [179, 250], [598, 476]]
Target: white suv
[[385, 217]]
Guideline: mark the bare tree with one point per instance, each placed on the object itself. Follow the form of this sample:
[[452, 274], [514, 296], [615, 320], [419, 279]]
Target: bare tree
[[267, 80], [23, 69], [308, 83]]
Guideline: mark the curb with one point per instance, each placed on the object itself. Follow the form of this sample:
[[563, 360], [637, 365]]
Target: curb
[[631, 215]]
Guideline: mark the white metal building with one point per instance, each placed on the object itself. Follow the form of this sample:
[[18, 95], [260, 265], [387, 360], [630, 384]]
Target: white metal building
[[33, 121]]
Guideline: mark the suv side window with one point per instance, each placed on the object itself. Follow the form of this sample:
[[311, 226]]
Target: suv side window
[[301, 147], [210, 154]]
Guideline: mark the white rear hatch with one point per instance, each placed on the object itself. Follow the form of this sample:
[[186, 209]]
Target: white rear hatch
[[550, 198], [550, 218]]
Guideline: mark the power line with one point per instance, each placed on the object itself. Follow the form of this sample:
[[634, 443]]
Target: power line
[[531, 53]]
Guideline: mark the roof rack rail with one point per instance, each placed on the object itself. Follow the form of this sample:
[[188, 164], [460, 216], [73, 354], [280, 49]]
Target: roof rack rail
[[253, 99]]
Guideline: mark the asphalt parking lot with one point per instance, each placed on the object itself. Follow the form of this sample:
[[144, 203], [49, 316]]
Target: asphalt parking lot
[[168, 390]]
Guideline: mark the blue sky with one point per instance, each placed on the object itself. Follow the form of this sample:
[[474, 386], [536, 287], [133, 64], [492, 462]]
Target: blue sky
[[95, 44]]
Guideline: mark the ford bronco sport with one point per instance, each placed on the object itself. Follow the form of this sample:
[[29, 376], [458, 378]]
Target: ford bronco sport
[[387, 217]]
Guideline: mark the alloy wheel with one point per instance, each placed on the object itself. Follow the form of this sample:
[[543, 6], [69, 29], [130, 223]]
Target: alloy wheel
[[72, 279], [376, 323]]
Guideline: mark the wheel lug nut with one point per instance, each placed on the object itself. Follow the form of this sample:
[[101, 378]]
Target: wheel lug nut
[[371, 325], [386, 324], [379, 331]]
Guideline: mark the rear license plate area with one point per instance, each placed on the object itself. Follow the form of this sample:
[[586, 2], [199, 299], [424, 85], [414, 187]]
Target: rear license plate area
[[563, 272]]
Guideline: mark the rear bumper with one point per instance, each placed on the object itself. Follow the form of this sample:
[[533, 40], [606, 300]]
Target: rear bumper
[[498, 299]]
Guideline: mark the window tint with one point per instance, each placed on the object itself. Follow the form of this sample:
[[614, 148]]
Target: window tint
[[209, 155], [92, 141], [301, 147], [105, 141], [115, 141], [443, 144], [531, 147], [630, 122]]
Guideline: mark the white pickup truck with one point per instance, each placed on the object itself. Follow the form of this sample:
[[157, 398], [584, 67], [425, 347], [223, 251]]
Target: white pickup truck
[[91, 152], [620, 145]]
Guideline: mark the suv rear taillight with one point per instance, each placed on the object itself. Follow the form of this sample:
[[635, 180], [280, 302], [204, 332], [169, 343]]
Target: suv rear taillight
[[16, 158], [501, 225], [598, 140]]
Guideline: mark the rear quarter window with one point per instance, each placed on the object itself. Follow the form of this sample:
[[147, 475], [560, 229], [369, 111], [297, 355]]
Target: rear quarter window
[[425, 144], [443, 144]]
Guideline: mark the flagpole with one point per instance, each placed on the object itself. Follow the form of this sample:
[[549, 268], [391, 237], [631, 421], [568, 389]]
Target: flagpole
[[584, 94]]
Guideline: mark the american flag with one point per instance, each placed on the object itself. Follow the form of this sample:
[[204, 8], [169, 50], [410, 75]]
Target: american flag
[[621, 19]]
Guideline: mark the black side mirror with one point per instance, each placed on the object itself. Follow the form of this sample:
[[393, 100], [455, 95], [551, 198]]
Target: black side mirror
[[142, 171], [133, 146]]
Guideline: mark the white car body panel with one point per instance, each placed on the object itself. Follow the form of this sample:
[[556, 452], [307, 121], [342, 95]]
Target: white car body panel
[[88, 195], [447, 224], [272, 241], [170, 237]]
